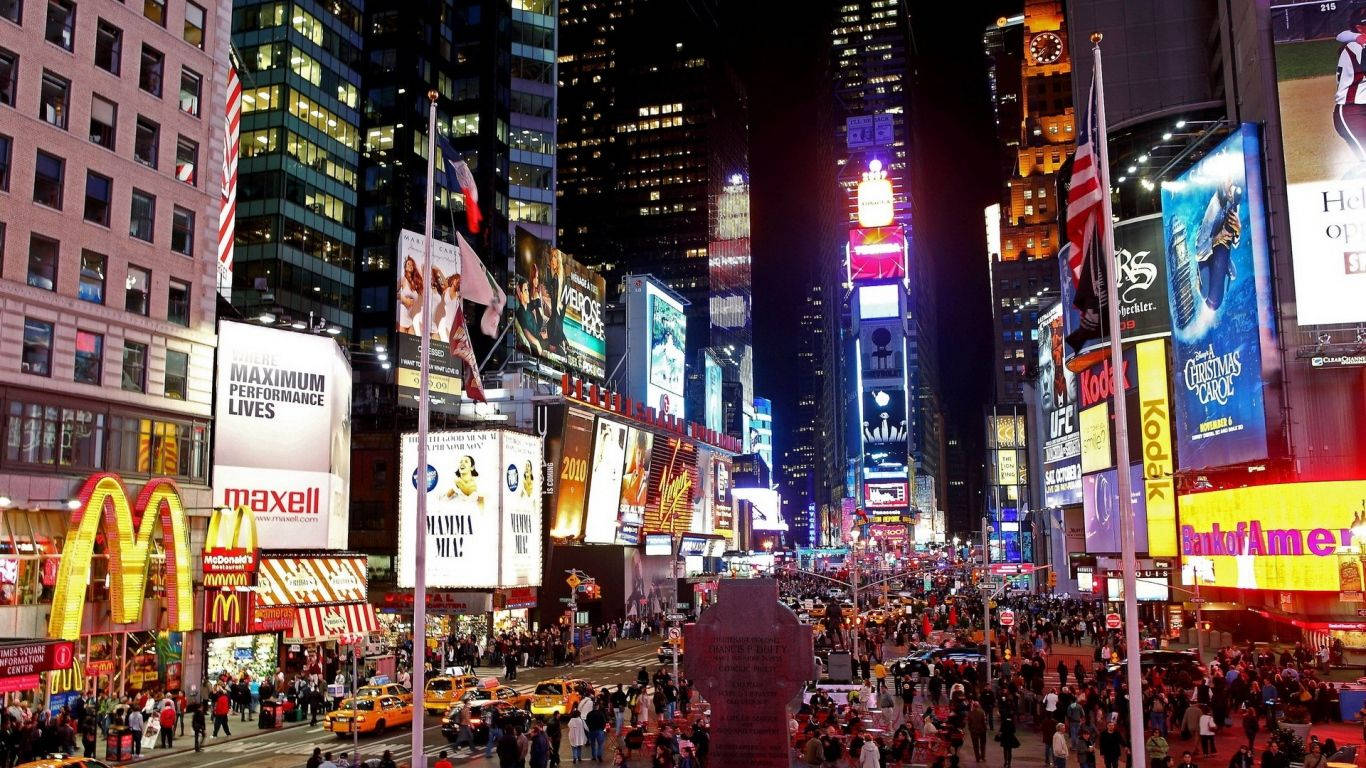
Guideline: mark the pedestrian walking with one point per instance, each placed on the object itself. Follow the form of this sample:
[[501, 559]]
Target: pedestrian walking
[[578, 736], [1007, 739], [977, 731]]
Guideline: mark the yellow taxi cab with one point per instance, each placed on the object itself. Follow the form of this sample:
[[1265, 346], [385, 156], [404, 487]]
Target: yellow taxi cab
[[489, 689], [386, 689], [555, 697], [370, 714], [847, 610], [817, 611], [444, 690], [73, 761]]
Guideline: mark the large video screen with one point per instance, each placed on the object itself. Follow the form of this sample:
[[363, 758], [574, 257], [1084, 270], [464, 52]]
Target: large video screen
[[559, 306], [604, 487], [635, 485], [1219, 292], [668, 333], [1319, 70], [673, 486], [571, 491]]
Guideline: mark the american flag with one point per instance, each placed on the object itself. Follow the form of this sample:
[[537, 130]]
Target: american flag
[[227, 212], [1084, 194]]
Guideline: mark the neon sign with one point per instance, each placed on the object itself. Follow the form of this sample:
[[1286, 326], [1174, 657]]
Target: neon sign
[[105, 508]]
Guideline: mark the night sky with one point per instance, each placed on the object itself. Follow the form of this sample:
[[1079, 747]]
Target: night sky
[[784, 68]]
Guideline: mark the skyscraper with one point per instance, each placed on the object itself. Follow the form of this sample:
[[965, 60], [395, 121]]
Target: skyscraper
[[1030, 86], [492, 68], [812, 477], [872, 71], [653, 164], [298, 172]]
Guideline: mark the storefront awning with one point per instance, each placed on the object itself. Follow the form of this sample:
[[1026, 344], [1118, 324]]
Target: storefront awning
[[347, 622]]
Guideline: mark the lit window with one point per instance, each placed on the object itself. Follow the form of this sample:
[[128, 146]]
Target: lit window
[[194, 25]]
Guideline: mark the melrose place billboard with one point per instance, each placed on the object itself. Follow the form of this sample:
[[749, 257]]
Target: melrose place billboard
[[1223, 329]]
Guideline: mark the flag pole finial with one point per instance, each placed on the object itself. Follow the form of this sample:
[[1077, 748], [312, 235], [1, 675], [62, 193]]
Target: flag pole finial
[[1096, 37]]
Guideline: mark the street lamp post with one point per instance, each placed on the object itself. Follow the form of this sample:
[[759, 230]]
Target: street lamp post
[[986, 597]]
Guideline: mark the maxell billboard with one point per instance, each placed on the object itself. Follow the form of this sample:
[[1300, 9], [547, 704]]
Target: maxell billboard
[[282, 447]]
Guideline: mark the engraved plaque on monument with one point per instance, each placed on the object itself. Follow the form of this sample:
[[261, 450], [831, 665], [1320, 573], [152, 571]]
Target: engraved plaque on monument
[[749, 658]]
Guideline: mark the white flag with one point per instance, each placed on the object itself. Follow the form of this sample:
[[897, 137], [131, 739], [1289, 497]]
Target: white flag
[[478, 285]]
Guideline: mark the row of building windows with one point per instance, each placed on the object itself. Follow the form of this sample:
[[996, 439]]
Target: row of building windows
[[60, 24], [268, 97], [49, 185], [263, 231], [57, 435], [88, 363], [44, 263], [266, 141], [54, 98]]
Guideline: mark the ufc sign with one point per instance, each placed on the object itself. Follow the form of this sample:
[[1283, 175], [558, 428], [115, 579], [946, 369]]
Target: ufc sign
[[128, 533]]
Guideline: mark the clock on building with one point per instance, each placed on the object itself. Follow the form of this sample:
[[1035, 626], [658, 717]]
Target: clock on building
[[1045, 48]]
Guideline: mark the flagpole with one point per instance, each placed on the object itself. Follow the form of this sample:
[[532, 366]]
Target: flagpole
[[1134, 667], [419, 660]]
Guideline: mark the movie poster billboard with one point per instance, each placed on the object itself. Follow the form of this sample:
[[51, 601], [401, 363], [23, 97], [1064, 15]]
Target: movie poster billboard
[[1057, 389], [714, 409], [604, 489], [463, 519], [881, 349], [521, 509], [1142, 266], [1100, 505], [282, 446], [1319, 71], [667, 340], [1219, 292], [635, 484], [571, 488], [443, 284], [673, 486], [723, 505], [558, 313]]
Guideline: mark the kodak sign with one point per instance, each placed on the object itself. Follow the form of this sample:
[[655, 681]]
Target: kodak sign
[[1155, 409], [129, 530]]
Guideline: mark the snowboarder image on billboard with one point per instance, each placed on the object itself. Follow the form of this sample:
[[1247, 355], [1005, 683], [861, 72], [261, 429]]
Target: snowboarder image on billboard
[[1220, 230]]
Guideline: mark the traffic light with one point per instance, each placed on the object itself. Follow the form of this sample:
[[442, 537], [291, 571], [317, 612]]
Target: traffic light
[[1052, 580]]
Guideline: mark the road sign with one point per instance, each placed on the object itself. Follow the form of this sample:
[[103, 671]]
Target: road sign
[[1007, 618], [1012, 569], [674, 633], [1112, 621], [573, 581], [673, 617]]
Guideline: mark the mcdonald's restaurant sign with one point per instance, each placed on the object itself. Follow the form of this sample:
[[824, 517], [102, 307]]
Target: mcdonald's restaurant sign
[[227, 612], [105, 508], [230, 553]]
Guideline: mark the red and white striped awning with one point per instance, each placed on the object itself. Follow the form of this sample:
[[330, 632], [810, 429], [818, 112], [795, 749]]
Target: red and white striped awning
[[347, 623]]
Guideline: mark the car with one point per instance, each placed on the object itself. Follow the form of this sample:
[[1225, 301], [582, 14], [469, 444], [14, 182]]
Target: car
[[491, 690], [877, 616], [386, 689], [847, 610], [556, 696], [370, 714], [443, 690], [667, 651], [481, 716], [1171, 662], [70, 761], [817, 611]]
